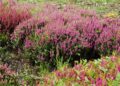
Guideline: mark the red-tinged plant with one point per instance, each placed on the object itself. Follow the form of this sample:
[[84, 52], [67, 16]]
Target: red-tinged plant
[[11, 16], [85, 76], [100, 82], [118, 68], [28, 43]]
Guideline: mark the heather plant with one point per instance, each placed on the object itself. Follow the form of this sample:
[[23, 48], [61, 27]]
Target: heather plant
[[68, 32], [11, 16]]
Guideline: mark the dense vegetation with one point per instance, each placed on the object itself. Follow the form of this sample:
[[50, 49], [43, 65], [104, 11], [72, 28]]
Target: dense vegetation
[[59, 43]]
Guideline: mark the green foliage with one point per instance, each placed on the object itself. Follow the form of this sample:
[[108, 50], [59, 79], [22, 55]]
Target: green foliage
[[102, 1], [116, 82], [3, 39], [60, 83], [60, 63]]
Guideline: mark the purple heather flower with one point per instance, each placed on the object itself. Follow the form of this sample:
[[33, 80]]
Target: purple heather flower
[[68, 28], [82, 75], [99, 82], [118, 68], [59, 74], [28, 43]]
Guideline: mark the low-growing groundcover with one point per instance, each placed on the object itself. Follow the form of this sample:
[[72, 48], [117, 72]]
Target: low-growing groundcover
[[52, 38], [101, 72]]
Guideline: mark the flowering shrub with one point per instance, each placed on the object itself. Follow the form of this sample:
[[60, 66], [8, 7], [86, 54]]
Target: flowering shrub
[[11, 15], [102, 72], [68, 32]]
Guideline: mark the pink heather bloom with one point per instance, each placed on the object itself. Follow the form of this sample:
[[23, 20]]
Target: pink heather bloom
[[109, 76], [104, 62], [78, 67], [28, 43], [12, 2], [118, 49], [3, 67], [118, 68], [59, 74], [113, 58], [38, 31], [8, 71], [92, 81], [1, 76], [82, 75], [99, 82], [0, 3]]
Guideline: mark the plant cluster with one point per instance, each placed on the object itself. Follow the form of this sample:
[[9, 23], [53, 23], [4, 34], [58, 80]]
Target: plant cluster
[[12, 15], [68, 32], [56, 36], [102, 72], [7, 75]]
